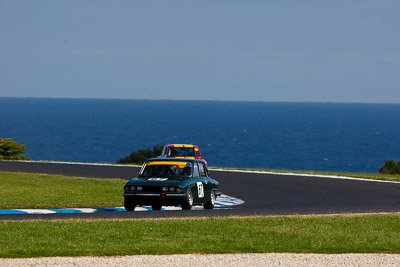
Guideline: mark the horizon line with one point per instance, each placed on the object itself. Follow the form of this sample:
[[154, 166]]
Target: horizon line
[[199, 100]]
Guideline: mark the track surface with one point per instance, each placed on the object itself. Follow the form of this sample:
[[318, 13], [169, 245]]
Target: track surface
[[264, 194]]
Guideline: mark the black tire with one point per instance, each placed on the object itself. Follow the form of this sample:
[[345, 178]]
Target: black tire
[[129, 204], [156, 206], [187, 203], [210, 204]]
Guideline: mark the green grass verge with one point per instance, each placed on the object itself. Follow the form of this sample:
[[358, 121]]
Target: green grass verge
[[374, 176], [27, 190], [299, 234]]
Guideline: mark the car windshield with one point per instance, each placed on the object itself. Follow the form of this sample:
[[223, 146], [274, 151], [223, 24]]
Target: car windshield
[[181, 152], [164, 169]]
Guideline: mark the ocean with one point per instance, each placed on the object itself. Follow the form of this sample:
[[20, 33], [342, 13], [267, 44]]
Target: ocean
[[344, 137]]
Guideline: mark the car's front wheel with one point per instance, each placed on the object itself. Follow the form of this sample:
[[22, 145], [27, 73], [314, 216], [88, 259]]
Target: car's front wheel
[[129, 204], [210, 204], [188, 201]]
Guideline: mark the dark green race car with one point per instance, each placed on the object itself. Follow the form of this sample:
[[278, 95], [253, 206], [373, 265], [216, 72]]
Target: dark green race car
[[171, 182]]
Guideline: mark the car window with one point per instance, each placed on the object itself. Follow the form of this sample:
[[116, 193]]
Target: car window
[[196, 170], [202, 171], [187, 171], [206, 169], [181, 152], [172, 152], [161, 169]]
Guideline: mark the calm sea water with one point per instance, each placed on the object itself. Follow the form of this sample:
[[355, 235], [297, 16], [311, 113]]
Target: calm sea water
[[295, 136]]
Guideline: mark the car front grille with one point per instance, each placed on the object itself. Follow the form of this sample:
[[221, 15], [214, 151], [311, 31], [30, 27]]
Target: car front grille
[[152, 189]]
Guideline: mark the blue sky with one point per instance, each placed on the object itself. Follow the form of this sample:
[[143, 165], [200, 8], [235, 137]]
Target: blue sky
[[304, 50]]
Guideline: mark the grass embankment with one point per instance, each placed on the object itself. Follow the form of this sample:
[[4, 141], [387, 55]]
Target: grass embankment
[[29, 191], [311, 234]]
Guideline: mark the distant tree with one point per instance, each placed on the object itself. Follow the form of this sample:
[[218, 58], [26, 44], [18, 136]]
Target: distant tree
[[140, 156], [390, 167], [10, 150]]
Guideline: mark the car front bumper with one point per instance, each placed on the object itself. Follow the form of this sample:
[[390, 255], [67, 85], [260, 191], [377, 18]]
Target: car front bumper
[[165, 199], [156, 195]]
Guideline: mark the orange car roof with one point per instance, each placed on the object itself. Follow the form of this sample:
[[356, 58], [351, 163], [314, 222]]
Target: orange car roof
[[182, 145]]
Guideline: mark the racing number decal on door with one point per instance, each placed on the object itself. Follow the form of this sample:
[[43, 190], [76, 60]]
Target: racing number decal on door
[[200, 189]]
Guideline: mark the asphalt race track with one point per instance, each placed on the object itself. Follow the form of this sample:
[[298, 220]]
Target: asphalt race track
[[263, 193]]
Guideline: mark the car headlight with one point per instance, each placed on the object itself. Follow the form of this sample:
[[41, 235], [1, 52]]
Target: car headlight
[[165, 188], [178, 189], [172, 189], [132, 188], [139, 188]]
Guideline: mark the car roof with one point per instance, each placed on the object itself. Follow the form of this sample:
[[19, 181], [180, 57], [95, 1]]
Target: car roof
[[181, 145], [173, 159]]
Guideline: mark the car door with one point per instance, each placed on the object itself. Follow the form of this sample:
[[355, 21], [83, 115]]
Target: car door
[[198, 185], [203, 172]]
